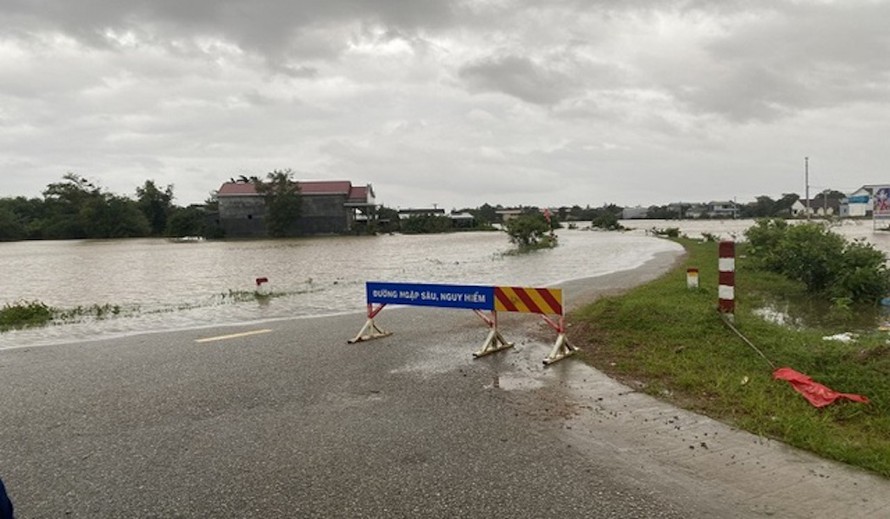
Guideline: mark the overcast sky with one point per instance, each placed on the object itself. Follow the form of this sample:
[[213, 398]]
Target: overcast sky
[[449, 102]]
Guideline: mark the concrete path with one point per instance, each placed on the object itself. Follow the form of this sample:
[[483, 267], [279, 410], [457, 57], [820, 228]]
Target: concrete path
[[284, 419]]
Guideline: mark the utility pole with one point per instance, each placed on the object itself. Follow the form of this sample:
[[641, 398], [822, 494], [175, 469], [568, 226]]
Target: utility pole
[[806, 168]]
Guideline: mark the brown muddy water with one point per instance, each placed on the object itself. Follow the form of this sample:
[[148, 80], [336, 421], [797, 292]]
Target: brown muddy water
[[153, 284]]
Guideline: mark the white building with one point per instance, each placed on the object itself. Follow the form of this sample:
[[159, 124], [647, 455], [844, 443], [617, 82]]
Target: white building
[[859, 203], [630, 213]]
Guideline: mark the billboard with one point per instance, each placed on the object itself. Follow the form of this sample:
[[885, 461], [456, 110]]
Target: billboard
[[882, 202]]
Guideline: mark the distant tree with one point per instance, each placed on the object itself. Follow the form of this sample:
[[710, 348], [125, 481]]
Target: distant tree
[[783, 204], [527, 230], [186, 221], [664, 212], [426, 224], [283, 203], [11, 227], [387, 219], [156, 205], [112, 216], [762, 207], [65, 202], [211, 203], [22, 218], [485, 214]]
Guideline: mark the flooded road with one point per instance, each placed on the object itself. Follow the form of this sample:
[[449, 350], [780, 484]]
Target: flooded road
[[153, 284], [147, 285]]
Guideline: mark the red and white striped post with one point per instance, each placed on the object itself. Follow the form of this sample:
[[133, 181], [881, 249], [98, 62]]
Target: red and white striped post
[[726, 291]]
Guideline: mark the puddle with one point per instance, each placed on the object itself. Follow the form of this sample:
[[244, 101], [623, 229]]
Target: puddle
[[812, 312]]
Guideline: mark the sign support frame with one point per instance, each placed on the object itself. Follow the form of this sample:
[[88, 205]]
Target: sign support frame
[[495, 341], [370, 330]]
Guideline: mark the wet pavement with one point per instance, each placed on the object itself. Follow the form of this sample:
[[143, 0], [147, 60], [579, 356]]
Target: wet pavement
[[293, 422]]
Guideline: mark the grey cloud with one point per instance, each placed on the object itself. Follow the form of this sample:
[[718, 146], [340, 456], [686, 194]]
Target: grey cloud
[[519, 77], [749, 93], [266, 26], [791, 57]]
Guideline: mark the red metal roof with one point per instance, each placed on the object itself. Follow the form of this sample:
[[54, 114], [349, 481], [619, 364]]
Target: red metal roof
[[326, 187], [236, 189], [359, 194], [311, 187]]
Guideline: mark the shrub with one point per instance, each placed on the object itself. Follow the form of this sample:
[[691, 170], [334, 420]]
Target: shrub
[[607, 220], [528, 230], [823, 260], [24, 314], [764, 238], [426, 224], [670, 232], [864, 275]]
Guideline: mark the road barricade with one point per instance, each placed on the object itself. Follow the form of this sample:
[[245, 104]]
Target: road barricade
[[546, 302]]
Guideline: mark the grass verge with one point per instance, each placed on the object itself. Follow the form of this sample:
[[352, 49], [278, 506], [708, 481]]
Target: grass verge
[[669, 342]]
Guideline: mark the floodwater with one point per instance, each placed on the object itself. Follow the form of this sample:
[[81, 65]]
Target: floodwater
[[155, 284], [735, 229]]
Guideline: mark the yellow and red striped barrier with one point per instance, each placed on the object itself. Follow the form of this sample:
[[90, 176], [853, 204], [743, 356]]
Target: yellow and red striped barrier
[[543, 301], [528, 300]]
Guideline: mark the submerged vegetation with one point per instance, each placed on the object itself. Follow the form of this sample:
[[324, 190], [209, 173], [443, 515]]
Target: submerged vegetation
[[824, 261], [531, 231], [668, 341], [24, 315], [30, 314]]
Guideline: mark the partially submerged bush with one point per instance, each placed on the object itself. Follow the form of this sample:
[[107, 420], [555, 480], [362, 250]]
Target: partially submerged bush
[[24, 314], [529, 230], [669, 232], [607, 221], [823, 260]]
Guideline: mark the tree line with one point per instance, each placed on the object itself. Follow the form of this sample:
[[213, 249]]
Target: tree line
[[75, 208]]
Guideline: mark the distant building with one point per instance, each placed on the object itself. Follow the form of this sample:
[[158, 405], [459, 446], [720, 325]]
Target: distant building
[[508, 214], [634, 213], [327, 207], [859, 203], [410, 213], [825, 205], [696, 211], [722, 209], [462, 220]]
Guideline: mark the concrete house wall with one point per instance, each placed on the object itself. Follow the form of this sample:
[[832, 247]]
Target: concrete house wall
[[325, 214], [243, 215], [326, 208]]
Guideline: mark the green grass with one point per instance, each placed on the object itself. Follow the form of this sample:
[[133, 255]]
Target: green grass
[[672, 340]]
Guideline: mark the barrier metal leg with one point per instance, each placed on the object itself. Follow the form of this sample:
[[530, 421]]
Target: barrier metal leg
[[370, 330], [495, 341], [562, 348]]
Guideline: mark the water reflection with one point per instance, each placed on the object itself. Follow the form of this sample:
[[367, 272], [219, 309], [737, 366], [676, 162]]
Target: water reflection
[[818, 313]]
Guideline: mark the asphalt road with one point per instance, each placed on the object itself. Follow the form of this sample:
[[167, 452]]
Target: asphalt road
[[284, 419]]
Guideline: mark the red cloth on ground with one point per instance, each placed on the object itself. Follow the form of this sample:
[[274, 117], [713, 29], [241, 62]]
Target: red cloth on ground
[[814, 392]]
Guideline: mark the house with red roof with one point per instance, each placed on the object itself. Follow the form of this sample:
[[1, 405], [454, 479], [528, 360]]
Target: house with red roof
[[327, 207]]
